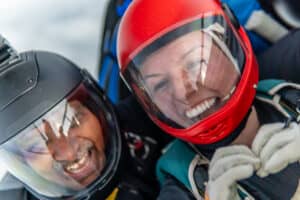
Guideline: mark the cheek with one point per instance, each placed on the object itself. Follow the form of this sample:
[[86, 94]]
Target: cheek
[[165, 103], [171, 109], [94, 132], [221, 74], [41, 163]]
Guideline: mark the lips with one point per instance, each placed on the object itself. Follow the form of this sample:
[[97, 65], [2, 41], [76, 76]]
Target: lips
[[76, 166], [200, 108], [86, 167], [206, 105]]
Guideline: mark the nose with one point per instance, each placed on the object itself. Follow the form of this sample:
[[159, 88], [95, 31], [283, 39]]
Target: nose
[[63, 148], [64, 151], [182, 87]]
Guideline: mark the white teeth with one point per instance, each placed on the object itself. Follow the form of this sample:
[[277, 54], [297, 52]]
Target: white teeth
[[77, 165], [197, 110]]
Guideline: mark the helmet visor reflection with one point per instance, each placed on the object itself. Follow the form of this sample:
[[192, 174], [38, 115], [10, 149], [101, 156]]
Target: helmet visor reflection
[[189, 77], [64, 151]]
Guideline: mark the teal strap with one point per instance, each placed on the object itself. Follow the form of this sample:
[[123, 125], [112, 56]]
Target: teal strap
[[265, 86], [273, 91], [175, 162]]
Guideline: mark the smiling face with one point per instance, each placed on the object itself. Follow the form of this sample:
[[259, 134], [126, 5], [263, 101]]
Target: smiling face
[[67, 146], [190, 78]]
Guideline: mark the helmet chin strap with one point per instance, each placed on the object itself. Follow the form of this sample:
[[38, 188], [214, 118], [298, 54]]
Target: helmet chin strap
[[8, 55]]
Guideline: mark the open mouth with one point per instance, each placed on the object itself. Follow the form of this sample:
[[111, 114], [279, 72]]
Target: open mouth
[[200, 108], [206, 105], [77, 165], [87, 165]]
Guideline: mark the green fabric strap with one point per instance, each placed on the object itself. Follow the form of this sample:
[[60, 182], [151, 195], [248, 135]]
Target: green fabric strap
[[265, 86], [175, 162]]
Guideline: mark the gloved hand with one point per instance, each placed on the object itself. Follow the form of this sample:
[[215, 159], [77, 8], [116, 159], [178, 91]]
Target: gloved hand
[[276, 147], [229, 165]]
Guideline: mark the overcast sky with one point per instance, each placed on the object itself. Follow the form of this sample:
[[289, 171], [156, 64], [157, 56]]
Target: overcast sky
[[69, 27]]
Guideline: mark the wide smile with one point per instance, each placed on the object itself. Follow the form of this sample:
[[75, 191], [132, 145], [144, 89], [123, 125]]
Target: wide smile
[[200, 108], [85, 166], [206, 105], [77, 166]]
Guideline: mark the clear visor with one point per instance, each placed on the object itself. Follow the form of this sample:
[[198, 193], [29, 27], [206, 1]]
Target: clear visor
[[65, 151], [189, 73]]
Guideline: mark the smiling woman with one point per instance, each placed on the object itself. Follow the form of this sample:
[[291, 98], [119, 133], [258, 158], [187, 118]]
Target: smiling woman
[[188, 75], [186, 81], [190, 69]]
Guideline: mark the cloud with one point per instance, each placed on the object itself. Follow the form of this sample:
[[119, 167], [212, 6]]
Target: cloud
[[71, 28]]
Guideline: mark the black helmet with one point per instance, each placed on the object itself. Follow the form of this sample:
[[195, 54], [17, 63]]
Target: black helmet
[[59, 133]]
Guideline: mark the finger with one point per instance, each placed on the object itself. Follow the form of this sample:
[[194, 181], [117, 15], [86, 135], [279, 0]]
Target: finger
[[263, 135], [262, 172], [48, 130], [273, 165], [283, 157], [275, 143], [217, 192], [236, 174], [230, 162], [230, 150]]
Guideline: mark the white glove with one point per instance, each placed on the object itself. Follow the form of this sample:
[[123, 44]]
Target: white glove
[[276, 147], [229, 165]]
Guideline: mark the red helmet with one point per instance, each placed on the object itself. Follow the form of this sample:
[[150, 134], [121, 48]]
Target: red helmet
[[190, 65]]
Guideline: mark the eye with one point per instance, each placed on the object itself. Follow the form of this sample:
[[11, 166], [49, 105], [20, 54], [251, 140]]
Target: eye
[[77, 118], [192, 65], [34, 142], [75, 122], [195, 64], [38, 147], [160, 85]]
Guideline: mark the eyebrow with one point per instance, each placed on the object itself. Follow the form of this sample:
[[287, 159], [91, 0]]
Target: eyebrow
[[151, 76], [77, 107], [191, 50], [181, 57]]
